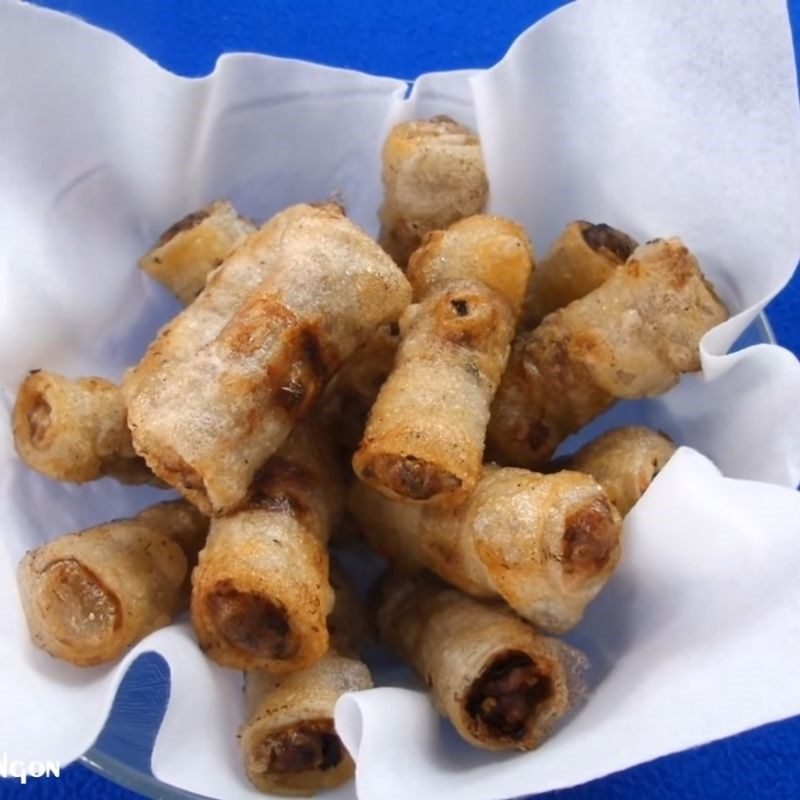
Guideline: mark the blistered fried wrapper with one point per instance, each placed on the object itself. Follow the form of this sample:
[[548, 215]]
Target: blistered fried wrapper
[[675, 125]]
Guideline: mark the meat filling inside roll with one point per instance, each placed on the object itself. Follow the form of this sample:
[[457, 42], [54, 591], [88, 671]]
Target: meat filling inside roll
[[251, 623], [311, 745], [508, 694]]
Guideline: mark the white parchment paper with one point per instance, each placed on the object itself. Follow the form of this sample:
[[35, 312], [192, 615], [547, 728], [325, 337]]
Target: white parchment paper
[[669, 117]]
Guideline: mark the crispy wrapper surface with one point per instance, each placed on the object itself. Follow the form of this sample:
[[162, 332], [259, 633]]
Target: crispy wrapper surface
[[624, 462], [579, 261], [631, 337], [490, 249], [226, 289], [75, 430], [206, 425], [190, 249], [502, 684], [433, 174], [289, 742], [425, 434], [260, 592], [89, 596], [546, 544], [351, 392]]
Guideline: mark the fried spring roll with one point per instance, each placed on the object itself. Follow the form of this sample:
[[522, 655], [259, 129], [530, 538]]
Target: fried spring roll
[[89, 596], [502, 684], [425, 434], [632, 337], [624, 462], [546, 544], [226, 289], [490, 249], [433, 174], [350, 394], [260, 593], [209, 423], [289, 742], [191, 248], [75, 430], [579, 261]]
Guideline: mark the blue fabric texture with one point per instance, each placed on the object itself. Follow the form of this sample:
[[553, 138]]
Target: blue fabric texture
[[405, 40]]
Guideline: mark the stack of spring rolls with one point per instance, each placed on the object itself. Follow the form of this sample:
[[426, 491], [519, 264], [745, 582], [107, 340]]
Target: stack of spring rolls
[[418, 386]]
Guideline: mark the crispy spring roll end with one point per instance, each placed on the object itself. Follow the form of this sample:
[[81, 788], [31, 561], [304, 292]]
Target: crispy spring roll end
[[501, 683], [507, 700], [591, 537], [187, 252], [580, 260], [289, 742], [185, 223], [602, 237], [75, 429], [89, 596], [251, 623], [80, 607], [289, 760], [410, 477], [38, 419]]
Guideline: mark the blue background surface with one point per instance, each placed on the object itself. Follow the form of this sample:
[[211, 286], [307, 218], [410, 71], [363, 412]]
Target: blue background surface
[[404, 39]]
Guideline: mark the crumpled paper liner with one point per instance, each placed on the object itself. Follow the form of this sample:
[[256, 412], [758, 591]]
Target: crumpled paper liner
[[663, 118]]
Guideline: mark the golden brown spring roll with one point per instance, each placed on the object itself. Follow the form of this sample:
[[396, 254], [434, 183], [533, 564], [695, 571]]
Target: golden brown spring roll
[[190, 249], [260, 594], [546, 544], [433, 174], [289, 742], [502, 684], [624, 462], [631, 337], [351, 392], [226, 289], [75, 429], [425, 434], [209, 423], [490, 249], [579, 261], [89, 596]]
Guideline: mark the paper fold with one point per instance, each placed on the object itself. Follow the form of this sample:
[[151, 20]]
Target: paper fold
[[662, 118]]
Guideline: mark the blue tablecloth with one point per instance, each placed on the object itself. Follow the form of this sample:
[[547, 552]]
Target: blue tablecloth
[[406, 39]]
